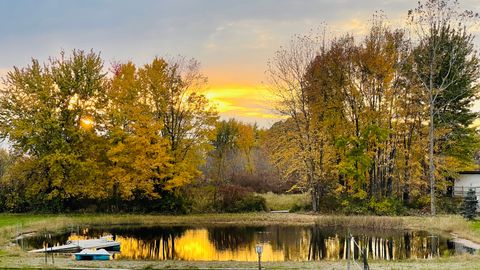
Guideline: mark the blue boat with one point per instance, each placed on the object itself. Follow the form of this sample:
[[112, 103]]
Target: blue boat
[[95, 255]]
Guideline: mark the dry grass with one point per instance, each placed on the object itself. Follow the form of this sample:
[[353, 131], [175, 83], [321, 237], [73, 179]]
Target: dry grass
[[285, 201], [370, 222], [64, 262]]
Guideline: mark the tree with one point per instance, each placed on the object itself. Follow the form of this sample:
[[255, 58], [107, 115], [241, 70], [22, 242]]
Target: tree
[[42, 110], [445, 64], [470, 205], [138, 154], [286, 72], [173, 92], [224, 144]]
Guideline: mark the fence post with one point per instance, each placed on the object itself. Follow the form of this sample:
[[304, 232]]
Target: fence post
[[365, 262], [348, 252]]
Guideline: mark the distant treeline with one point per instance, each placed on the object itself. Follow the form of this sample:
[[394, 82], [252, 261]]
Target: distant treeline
[[378, 125]]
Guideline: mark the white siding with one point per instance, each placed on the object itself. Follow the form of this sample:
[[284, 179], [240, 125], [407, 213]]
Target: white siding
[[468, 180], [464, 183]]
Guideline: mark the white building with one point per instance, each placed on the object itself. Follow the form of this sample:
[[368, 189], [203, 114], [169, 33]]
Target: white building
[[465, 181]]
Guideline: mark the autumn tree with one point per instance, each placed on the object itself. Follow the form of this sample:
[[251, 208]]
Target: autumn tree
[[235, 146], [286, 72], [173, 91], [139, 157], [42, 111], [447, 67], [225, 143]]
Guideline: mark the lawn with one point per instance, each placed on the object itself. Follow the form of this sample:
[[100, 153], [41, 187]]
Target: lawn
[[21, 219]]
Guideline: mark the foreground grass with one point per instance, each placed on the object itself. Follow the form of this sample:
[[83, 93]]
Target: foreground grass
[[11, 256], [285, 201], [467, 262]]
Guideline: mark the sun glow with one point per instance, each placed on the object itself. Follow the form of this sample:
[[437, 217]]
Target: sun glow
[[86, 122], [253, 103]]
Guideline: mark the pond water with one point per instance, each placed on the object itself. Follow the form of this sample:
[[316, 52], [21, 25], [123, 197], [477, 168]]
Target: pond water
[[280, 243]]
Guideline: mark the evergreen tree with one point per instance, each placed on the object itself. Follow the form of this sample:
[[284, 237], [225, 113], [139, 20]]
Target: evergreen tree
[[470, 204]]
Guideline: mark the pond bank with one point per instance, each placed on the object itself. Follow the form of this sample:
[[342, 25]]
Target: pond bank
[[12, 256], [466, 262]]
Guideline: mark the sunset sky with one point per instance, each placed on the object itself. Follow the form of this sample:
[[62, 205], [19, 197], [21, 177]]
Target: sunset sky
[[233, 40]]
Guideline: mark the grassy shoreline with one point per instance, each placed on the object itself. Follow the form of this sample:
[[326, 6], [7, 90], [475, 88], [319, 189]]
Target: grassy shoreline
[[11, 256]]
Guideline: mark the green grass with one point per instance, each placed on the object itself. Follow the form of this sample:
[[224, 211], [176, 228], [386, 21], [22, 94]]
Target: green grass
[[475, 224], [286, 201], [20, 219]]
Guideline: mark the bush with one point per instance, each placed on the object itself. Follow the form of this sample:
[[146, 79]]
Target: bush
[[251, 203], [201, 198], [449, 205], [301, 207], [383, 207], [261, 182], [233, 198], [386, 207]]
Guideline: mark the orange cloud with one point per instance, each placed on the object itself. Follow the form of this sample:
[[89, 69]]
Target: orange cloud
[[252, 104]]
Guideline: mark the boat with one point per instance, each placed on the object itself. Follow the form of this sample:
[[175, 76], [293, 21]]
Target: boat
[[90, 254], [78, 245]]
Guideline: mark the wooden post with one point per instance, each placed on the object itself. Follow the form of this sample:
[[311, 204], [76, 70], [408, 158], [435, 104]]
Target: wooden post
[[348, 252], [365, 262]]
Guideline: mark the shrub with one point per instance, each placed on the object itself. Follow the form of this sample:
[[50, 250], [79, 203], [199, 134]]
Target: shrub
[[251, 203], [386, 207], [201, 198], [382, 207], [301, 207], [449, 205], [233, 198]]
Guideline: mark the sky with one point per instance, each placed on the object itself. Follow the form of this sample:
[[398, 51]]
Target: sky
[[233, 40]]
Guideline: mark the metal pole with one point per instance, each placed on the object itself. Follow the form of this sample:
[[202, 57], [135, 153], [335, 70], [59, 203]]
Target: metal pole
[[259, 262], [45, 246]]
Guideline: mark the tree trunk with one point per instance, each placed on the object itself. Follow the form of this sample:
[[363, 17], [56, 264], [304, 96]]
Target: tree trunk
[[431, 138], [314, 200]]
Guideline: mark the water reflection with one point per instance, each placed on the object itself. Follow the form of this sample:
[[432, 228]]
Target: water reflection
[[281, 243]]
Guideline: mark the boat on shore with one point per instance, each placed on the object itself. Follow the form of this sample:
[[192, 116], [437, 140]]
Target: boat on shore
[[95, 255], [78, 245]]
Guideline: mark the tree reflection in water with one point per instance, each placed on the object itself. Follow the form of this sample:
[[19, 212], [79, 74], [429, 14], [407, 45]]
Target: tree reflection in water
[[233, 237], [281, 243]]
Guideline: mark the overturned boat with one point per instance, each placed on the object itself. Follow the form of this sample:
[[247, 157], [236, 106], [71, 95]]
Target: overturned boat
[[78, 245], [95, 255]]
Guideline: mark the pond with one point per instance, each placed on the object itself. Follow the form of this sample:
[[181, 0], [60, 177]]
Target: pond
[[280, 243]]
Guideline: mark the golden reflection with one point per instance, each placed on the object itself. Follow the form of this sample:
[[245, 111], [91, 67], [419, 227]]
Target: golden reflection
[[279, 244], [194, 245]]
